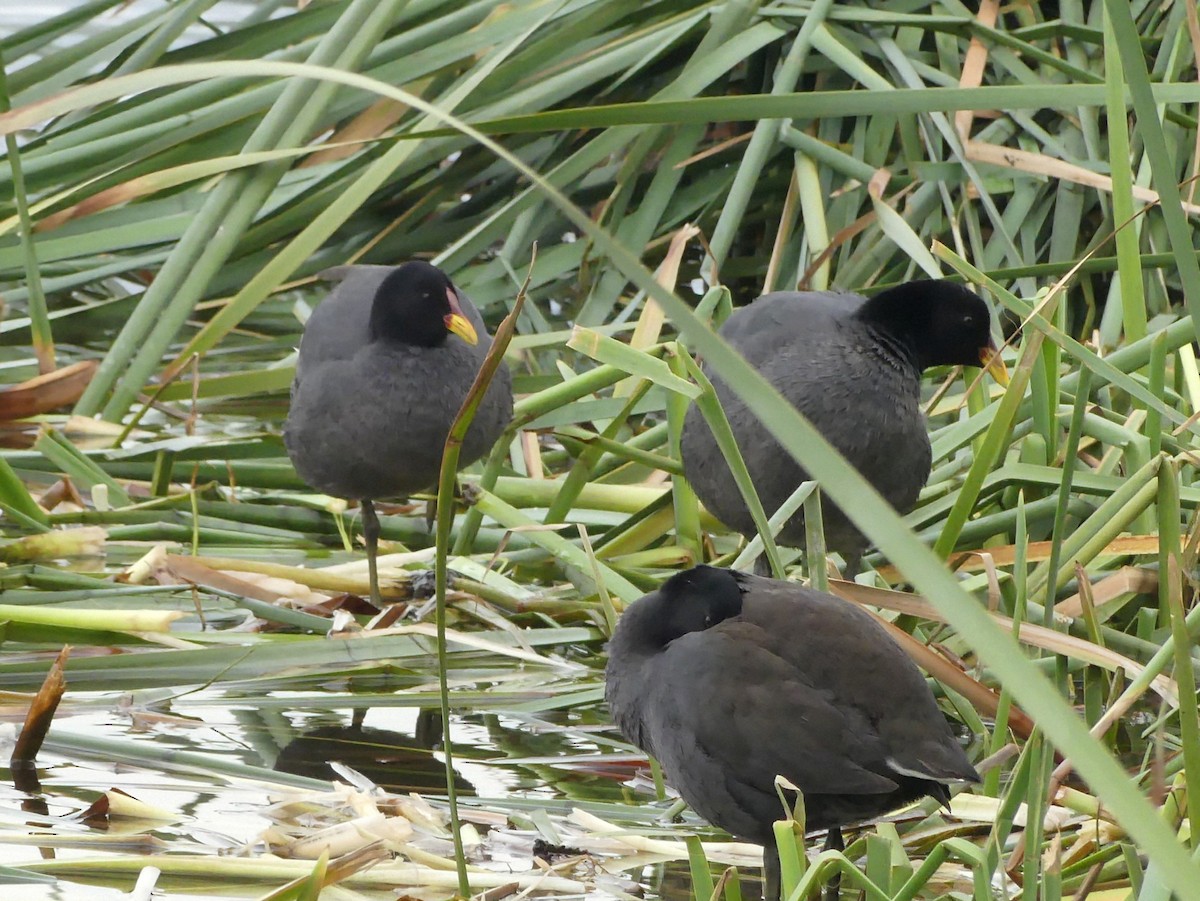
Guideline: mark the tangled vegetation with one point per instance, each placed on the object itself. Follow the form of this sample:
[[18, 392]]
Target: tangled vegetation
[[177, 176]]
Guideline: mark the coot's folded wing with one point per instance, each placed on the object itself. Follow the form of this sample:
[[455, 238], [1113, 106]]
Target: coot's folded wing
[[760, 715]]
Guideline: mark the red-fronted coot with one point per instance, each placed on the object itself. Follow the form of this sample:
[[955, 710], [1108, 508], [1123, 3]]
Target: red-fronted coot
[[385, 363], [853, 367], [730, 679]]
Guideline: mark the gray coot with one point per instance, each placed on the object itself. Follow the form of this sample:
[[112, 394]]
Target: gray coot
[[852, 366], [730, 679], [385, 363]]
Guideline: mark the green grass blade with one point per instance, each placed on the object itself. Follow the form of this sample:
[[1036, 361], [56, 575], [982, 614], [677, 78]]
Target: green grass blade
[[1149, 126]]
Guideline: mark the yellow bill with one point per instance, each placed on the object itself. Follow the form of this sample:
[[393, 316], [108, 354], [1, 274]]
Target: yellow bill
[[990, 359], [457, 322]]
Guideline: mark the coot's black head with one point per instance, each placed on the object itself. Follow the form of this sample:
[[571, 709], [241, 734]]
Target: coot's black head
[[417, 304], [935, 323], [697, 599]]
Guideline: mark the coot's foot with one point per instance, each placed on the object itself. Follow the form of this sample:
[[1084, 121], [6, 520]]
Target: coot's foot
[[423, 584]]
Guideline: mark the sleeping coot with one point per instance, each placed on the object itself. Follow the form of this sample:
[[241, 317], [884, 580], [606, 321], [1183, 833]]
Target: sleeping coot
[[385, 363], [730, 679], [852, 366]]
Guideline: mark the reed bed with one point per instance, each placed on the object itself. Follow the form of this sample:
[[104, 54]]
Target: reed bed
[[175, 188]]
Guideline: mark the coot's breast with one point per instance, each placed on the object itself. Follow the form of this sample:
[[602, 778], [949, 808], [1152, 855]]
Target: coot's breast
[[373, 425], [369, 419]]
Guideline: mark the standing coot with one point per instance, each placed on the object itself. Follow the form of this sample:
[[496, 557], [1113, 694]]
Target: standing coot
[[852, 366], [385, 363], [730, 679]]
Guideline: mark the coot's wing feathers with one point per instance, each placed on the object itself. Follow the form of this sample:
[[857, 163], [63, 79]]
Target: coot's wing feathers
[[936, 761], [825, 636], [338, 327], [784, 318], [341, 273], [811, 741], [814, 350], [345, 452]]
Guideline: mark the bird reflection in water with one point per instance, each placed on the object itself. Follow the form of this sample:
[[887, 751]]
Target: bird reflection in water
[[395, 761]]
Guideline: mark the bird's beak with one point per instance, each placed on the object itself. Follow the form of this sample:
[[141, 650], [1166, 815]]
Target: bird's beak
[[457, 322], [990, 359]]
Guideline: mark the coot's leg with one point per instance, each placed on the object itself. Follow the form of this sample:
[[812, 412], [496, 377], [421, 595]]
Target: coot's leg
[[833, 842], [429, 727], [771, 878], [370, 524]]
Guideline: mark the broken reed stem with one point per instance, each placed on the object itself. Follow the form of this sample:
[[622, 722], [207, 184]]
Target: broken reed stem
[[41, 712]]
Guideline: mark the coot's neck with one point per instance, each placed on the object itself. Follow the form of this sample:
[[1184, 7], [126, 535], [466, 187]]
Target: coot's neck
[[633, 652], [644, 629], [897, 327]]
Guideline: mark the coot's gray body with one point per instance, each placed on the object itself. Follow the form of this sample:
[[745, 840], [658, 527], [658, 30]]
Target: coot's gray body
[[730, 679], [853, 368], [369, 418], [384, 366]]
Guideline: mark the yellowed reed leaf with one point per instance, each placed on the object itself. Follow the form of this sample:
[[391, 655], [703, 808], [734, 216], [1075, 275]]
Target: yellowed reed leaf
[[124, 805], [531, 451], [736, 853], [340, 838], [974, 64], [1041, 164], [982, 809], [1030, 633], [649, 325], [46, 392], [190, 569], [370, 123], [473, 640], [1126, 580], [714, 149], [77, 541], [1035, 551]]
